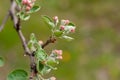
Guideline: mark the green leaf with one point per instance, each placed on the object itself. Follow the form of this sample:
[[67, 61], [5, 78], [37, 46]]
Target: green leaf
[[18, 75], [41, 55], [45, 70], [58, 33], [48, 21], [71, 24], [34, 9], [40, 66], [23, 16], [1, 62], [52, 61], [33, 44], [33, 38], [67, 38]]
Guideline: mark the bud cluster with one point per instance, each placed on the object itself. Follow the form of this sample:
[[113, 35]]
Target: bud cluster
[[28, 4], [64, 25], [57, 54]]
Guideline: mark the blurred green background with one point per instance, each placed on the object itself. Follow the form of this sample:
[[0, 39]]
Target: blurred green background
[[93, 55]]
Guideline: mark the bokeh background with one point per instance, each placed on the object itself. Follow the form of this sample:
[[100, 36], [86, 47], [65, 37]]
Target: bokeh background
[[93, 55]]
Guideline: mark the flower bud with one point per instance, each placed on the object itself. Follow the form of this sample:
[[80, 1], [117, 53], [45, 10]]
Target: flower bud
[[65, 22], [55, 18], [52, 78], [40, 42], [59, 57], [58, 52], [30, 5], [72, 29], [28, 8], [62, 27], [24, 2]]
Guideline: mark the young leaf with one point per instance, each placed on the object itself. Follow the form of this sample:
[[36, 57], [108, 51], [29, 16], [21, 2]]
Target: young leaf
[[40, 66], [71, 24], [1, 62], [41, 55], [45, 70], [48, 21], [33, 38], [58, 33], [34, 9], [67, 38], [23, 16], [18, 75], [52, 61]]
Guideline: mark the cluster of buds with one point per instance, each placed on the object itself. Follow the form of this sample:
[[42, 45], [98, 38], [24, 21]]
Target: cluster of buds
[[40, 42], [52, 78], [64, 26], [28, 4], [58, 54]]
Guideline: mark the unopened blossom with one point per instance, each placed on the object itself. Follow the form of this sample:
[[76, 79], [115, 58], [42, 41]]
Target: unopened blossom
[[40, 42], [28, 4], [62, 27], [65, 22], [58, 52], [55, 18], [52, 78], [59, 57], [72, 29], [28, 8]]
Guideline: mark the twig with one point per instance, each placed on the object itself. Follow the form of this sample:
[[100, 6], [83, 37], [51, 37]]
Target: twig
[[4, 21], [17, 26], [50, 40]]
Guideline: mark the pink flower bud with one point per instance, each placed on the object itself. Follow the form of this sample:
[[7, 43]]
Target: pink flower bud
[[67, 21], [72, 29], [55, 18], [59, 57], [28, 8], [58, 52], [62, 27], [24, 2], [40, 42], [52, 78]]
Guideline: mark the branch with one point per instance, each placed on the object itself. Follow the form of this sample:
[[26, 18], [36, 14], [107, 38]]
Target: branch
[[4, 21], [17, 26], [50, 40]]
